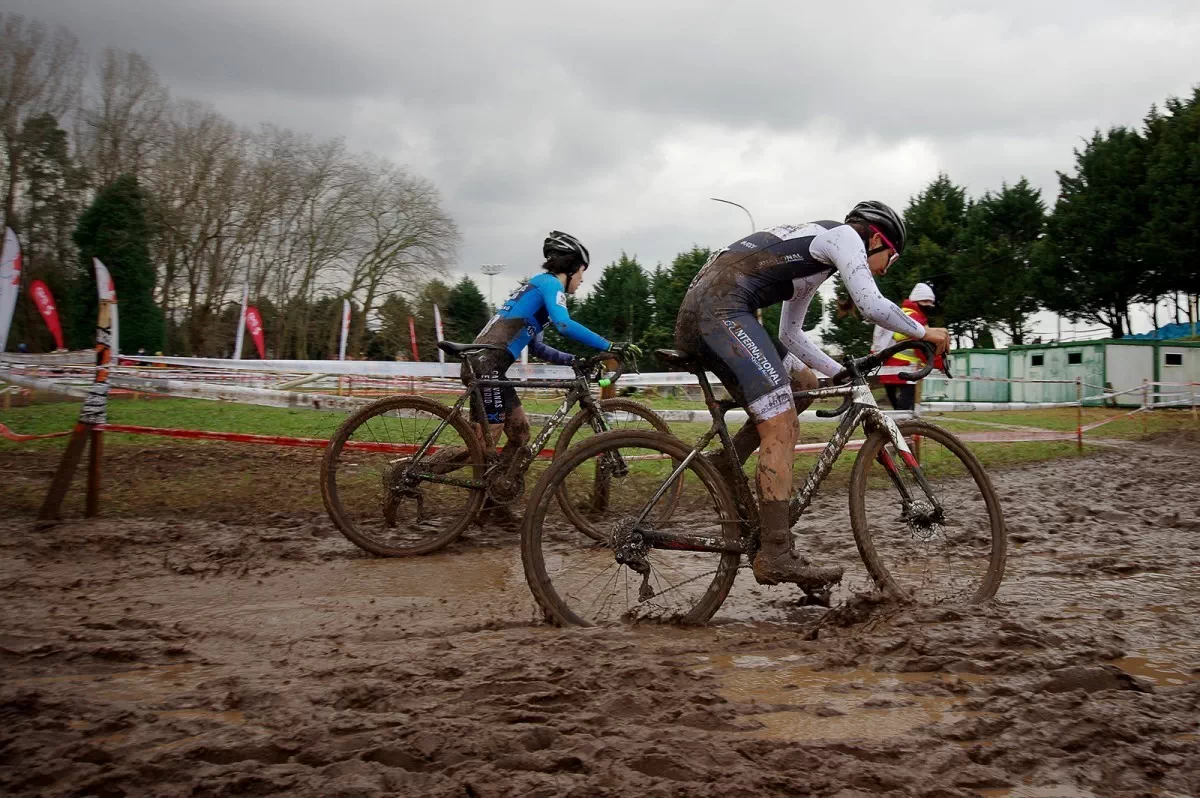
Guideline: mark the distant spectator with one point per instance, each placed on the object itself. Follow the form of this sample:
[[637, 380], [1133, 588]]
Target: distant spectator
[[903, 394]]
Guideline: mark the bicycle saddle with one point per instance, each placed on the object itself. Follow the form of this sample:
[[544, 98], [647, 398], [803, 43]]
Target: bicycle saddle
[[673, 357], [458, 350]]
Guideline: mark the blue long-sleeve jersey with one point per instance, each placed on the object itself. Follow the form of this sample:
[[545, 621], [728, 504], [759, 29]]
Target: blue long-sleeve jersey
[[523, 317]]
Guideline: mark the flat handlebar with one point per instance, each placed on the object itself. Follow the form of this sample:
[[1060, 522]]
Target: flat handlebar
[[592, 367]]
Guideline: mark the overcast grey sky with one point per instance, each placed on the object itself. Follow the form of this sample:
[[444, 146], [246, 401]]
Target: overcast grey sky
[[616, 121]]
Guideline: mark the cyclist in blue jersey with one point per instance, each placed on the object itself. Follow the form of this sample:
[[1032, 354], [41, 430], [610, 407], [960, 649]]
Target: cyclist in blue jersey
[[521, 321]]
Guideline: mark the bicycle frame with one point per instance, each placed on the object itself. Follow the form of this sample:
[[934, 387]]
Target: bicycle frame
[[577, 390], [862, 410]]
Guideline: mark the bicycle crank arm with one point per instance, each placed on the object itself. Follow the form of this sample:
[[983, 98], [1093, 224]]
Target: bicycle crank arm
[[685, 542]]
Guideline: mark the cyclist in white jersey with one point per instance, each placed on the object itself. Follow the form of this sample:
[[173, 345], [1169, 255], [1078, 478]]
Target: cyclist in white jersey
[[716, 323]]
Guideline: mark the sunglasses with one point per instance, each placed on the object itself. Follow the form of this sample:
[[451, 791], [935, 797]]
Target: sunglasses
[[887, 245]]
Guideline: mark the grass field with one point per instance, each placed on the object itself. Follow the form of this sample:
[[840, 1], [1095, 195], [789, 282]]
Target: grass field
[[225, 481], [52, 415]]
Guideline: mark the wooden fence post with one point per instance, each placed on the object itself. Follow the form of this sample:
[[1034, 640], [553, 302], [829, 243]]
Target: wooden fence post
[[92, 417]]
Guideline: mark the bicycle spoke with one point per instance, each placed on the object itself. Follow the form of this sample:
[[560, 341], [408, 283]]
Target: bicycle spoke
[[369, 493], [955, 554], [587, 578]]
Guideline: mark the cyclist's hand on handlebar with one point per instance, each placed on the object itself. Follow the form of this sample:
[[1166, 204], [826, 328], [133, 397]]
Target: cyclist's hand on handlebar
[[939, 337], [624, 349]]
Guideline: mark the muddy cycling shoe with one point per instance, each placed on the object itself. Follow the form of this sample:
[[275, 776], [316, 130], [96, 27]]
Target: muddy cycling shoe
[[500, 515], [787, 566]]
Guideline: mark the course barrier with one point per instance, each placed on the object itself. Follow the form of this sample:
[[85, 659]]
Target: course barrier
[[299, 384]]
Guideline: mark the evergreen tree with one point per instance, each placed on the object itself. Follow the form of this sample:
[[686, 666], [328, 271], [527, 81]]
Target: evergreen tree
[[667, 288], [619, 307], [391, 342], [434, 292], [994, 281], [1092, 260], [1173, 187], [114, 230], [466, 311]]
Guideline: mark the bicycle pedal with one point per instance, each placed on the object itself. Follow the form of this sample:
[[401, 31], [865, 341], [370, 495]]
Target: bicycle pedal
[[645, 592]]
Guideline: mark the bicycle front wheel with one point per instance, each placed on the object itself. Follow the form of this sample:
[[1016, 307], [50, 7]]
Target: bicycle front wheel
[[385, 502], [950, 548], [577, 579], [620, 415]]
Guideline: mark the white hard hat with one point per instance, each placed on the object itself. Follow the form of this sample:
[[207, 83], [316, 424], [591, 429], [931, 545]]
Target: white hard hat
[[922, 293]]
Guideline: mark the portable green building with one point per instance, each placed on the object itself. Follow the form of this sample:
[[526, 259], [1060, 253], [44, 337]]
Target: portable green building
[[1118, 365], [970, 363]]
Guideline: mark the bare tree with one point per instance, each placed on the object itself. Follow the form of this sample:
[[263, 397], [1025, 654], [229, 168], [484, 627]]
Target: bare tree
[[122, 122], [40, 72], [403, 238], [194, 180], [302, 221]]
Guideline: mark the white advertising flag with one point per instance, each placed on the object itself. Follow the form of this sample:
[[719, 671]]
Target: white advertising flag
[[437, 330], [241, 328], [107, 291], [10, 282], [345, 328]]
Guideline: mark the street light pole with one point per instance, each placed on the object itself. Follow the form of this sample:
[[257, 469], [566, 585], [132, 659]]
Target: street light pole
[[753, 230], [753, 226], [491, 270]]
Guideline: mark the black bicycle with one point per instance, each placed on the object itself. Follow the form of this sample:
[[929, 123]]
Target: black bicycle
[[407, 474], [925, 517]]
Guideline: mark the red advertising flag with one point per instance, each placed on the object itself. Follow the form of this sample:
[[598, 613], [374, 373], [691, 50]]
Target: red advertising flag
[[255, 326], [412, 337], [45, 305]]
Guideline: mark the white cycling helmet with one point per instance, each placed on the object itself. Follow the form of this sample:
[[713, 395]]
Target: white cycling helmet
[[921, 292]]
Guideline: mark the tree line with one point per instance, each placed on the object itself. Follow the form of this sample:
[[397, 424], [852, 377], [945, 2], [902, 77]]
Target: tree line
[[96, 153], [1124, 230]]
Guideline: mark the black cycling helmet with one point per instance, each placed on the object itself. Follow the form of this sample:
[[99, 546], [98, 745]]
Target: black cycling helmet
[[890, 223], [559, 243]]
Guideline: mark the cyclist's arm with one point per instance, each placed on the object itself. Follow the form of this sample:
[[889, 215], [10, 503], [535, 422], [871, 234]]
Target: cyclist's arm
[[556, 306], [543, 351], [842, 248], [799, 345]]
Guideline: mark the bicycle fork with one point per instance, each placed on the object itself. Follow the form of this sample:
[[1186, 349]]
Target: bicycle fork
[[917, 512]]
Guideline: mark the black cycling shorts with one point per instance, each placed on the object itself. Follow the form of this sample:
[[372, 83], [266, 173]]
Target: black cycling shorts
[[498, 400], [736, 348]]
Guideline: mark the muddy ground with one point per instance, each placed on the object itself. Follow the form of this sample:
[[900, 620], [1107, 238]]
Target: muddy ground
[[206, 647]]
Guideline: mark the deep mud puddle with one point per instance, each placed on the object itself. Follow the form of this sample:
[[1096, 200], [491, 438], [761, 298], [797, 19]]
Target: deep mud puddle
[[794, 702]]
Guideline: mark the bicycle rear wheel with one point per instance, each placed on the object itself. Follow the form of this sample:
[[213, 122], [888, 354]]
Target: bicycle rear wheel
[[912, 550], [369, 482], [577, 580], [583, 507]]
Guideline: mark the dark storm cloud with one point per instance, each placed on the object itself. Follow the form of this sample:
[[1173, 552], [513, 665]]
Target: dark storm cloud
[[617, 120]]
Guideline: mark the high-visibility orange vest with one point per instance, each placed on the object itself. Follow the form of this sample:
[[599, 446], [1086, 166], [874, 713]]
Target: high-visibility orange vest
[[911, 359]]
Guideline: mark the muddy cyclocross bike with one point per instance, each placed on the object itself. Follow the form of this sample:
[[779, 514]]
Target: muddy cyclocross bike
[[407, 474], [925, 517]]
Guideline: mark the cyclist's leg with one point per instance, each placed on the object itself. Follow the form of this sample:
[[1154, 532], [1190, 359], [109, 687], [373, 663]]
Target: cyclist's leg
[[498, 400], [741, 354], [746, 439]]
